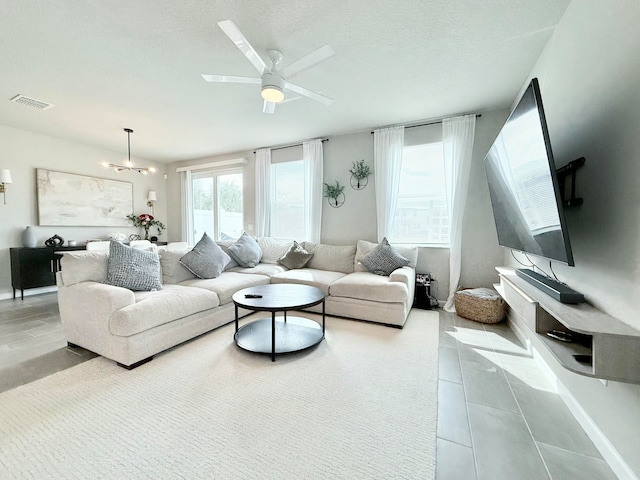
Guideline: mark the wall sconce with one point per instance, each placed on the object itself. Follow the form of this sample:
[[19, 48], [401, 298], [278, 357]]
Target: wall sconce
[[5, 179], [152, 197]]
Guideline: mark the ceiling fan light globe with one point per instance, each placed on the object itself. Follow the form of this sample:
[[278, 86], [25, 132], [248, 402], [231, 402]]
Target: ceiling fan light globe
[[272, 93], [272, 88]]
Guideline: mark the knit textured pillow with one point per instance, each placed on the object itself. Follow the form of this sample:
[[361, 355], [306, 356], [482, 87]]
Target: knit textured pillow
[[296, 257], [206, 259], [383, 259], [246, 251], [132, 268]]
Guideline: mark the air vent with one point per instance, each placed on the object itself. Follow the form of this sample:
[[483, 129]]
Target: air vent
[[31, 102]]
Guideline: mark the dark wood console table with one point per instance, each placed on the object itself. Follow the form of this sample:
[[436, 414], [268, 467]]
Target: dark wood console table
[[35, 267]]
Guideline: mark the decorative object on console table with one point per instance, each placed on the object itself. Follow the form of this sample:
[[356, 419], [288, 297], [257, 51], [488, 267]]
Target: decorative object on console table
[[35, 267], [359, 175], [146, 221], [55, 241], [29, 238], [119, 237], [335, 194]]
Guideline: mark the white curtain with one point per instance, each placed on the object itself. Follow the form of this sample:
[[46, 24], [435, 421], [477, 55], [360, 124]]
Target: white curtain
[[187, 208], [312, 159], [457, 139], [387, 161], [263, 192]]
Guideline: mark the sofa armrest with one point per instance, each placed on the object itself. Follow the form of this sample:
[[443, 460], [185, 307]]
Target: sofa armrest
[[85, 309], [406, 275]]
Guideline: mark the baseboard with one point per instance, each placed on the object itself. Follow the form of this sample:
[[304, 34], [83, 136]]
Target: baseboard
[[606, 449], [608, 452]]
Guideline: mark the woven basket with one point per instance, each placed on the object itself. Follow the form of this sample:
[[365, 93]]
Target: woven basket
[[479, 304]]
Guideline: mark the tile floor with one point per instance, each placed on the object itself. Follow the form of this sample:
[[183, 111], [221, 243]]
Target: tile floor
[[32, 344], [498, 415]]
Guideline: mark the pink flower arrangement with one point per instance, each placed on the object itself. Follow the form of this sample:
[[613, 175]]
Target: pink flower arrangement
[[146, 221]]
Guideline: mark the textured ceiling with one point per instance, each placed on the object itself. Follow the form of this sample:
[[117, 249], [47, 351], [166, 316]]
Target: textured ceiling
[[107, 65]]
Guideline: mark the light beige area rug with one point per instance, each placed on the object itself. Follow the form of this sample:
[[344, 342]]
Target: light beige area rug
[[360, 405]]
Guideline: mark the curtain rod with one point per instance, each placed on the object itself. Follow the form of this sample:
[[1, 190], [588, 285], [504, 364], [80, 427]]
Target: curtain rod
[[280, 147], [424, 124]]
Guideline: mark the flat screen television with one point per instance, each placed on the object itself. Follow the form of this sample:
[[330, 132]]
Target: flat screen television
[[523, 185]]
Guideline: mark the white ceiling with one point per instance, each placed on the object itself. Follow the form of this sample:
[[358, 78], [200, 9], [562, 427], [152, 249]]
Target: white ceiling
[[107, 65]]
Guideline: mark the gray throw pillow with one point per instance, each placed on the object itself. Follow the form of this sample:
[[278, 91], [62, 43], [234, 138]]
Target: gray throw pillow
[[246, 251], [383, 259], [206, 259], [133, 268], [296, 257]]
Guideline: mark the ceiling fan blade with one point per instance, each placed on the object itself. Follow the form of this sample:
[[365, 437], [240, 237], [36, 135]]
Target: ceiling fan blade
[[291, 98], [268, 107], [308, 61], [231, 79], [308, 93], [236, 36]]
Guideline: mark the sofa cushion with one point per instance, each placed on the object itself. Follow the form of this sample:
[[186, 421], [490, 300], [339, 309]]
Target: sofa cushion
[[206, 259], [368, 286], [224, 245], [228, 283], [336, 258], [267, 269], [133, 268], [84, 266], [172, 270], [383, 259], [245, 251], [157, 308], [272, 249], [309, 276], [296, 257], [364, 247]]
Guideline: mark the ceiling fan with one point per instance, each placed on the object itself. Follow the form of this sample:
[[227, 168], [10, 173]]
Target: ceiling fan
[[272, 80]]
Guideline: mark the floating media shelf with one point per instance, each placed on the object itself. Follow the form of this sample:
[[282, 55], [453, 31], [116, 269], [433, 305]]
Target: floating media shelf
[[614, 346]]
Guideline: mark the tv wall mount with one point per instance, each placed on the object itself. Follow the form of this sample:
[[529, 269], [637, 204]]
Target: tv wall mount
[[569, 170]]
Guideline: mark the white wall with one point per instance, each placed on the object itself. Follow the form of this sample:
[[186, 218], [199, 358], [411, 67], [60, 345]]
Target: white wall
[[356, 219], [23, 152], [589, 75]]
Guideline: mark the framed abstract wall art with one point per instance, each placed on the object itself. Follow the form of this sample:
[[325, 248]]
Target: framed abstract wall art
[[78, 200]]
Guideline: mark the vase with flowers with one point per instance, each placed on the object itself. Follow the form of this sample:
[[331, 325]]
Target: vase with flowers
[[146, 221]]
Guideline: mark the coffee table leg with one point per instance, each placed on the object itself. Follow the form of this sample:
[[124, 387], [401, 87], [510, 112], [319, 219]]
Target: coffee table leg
[[323, 317], [273, 336], [236, 306]]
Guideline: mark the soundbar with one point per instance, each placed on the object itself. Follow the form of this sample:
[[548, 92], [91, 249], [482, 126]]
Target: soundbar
[[551, 287]]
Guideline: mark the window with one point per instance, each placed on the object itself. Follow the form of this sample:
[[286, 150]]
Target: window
[[217, 204], [421, 215], [287, 204]]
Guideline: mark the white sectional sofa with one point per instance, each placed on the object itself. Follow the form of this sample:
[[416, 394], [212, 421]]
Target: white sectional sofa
[[131, 326]]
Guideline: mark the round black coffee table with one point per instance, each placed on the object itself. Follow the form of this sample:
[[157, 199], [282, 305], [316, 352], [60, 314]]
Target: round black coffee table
[[284, 334]]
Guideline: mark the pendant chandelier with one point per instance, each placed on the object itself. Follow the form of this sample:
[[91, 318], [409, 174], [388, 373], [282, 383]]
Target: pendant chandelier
[[128, 165]]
